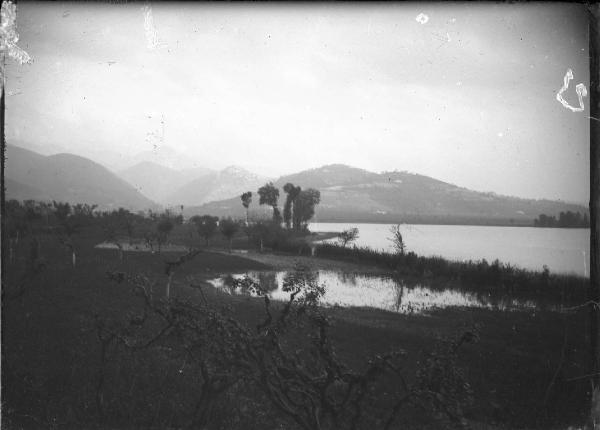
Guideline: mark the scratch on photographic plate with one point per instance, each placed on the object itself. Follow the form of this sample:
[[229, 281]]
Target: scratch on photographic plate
[[9, 37], [579, 89], [156, 137], [444, 39], [151, 38]]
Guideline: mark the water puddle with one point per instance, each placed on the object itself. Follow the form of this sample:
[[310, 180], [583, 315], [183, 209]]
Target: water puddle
[[380, 292]]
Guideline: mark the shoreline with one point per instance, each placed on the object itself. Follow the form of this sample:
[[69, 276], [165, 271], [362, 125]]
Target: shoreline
[[281, 261], [446, 224], [323, 237]]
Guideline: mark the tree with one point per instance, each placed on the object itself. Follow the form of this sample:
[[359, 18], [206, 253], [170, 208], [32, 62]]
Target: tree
[[172, 266], [177, 219], [14, 225], [188, 234], [397, 240], [163, 228], [129, 222], [84, 213], [269, 194], [70, 227], [246, 200], [305, 207], [111, 226], [290, 202], [229, 228], [147, 228], [306, 382], [32, 211], [265, 232], [565, 220], [206, 226], [348, 236], [61, 211]]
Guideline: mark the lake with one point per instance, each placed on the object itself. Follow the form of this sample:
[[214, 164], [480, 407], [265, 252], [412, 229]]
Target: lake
[[382, 292], [562, 250]]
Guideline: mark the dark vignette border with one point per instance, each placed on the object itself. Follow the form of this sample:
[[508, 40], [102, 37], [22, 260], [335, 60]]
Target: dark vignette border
[[594, 288], [594, 202]]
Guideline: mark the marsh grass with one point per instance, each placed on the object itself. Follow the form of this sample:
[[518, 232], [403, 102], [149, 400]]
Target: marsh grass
[[480, 276]]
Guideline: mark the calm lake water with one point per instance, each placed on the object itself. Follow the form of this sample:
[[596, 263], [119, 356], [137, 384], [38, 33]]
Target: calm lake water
[[562, 250], [381, 292]]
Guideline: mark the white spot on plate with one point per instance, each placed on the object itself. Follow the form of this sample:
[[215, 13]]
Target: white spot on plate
[[580, 89], [422, 18], [8, 34], [151, 38]]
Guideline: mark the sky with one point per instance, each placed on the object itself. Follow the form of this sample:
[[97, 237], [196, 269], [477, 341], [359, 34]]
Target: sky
[[462, 92]]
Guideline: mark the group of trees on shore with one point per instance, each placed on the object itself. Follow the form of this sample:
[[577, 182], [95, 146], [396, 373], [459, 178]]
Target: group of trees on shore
[[565, 220], [30, 217], [298, 209], [208, 225]]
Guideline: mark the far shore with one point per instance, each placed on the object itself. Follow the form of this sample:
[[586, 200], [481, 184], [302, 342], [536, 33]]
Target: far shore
[[468, 224]]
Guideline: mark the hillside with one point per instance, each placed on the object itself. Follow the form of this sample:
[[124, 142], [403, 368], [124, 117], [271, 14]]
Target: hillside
[[158, 182], [354, 195], [19, 191], [229, 182], [69, 178]]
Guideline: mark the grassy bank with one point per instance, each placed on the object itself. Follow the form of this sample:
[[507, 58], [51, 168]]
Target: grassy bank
[[480, 277], [524, 371]]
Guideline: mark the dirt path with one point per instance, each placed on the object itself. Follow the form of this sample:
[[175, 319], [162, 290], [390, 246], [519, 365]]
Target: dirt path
[[287, 262]]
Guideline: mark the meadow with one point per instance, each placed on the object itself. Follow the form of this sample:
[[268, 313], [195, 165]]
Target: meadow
[[70, 357]]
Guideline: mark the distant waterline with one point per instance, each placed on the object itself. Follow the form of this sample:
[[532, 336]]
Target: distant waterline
[[562, 250]]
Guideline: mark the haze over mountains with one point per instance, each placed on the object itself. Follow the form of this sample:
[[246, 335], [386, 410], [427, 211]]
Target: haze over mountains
[[159, 182], [348, 194], [196, 186], [231, 181]]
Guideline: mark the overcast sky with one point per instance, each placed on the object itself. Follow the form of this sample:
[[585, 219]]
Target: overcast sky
[[468, 96]]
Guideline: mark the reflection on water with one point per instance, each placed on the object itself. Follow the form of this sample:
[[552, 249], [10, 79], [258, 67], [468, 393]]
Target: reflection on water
[[348, 290]]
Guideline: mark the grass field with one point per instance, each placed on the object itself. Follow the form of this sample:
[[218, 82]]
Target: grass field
[[525, 370]]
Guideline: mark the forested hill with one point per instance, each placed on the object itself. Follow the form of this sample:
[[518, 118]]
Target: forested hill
[[67, 178], [349, 194]]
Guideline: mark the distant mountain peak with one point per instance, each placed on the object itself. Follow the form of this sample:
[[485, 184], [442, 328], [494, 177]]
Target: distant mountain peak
[[158, 181], [229, 182], [236, 170], [338, 166], [151, 164]]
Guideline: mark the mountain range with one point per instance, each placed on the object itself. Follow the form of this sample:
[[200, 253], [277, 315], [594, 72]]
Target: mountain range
[[68, 178], [215, 186], [348, 194], [159, 182], [195, 186]]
